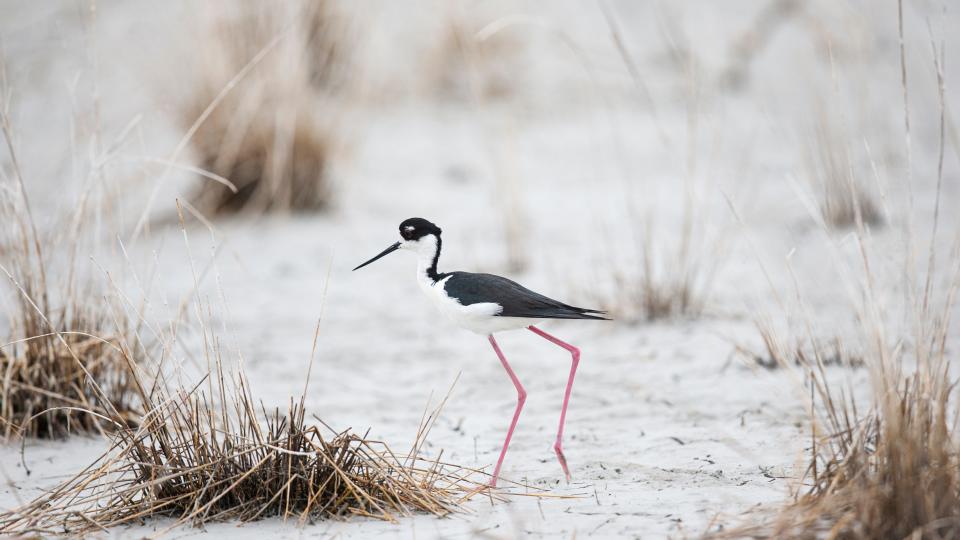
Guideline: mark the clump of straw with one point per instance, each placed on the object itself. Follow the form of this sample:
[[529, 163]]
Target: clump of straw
[[892, 470], [782, 351], [205, 455], [671, 279], [63, 368], [842, 194], [477, 64], [257, 112], [46, 389]]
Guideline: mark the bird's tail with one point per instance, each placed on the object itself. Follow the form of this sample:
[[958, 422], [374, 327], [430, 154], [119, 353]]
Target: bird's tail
[[572, 312]]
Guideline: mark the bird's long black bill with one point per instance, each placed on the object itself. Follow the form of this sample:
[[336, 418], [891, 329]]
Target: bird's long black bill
[[383, 253]]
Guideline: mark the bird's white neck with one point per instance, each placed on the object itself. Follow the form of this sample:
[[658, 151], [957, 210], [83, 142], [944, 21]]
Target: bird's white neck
[[428, 253]]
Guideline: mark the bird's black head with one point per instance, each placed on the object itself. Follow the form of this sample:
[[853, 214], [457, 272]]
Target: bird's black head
[[419, 236], [416, 228]]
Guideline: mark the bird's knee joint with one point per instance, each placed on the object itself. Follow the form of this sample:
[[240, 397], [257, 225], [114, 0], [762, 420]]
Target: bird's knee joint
[[521, 396], [575, 352]]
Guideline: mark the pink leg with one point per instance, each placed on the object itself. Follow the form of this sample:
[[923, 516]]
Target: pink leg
[[521, 397], [575, 353]]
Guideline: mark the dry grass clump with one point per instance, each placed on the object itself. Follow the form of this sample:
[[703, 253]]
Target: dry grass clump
[[781, 351], [892, 470], [672, 277], [841, 192], [258, 108], [477, 64], [63, 367], [654, 293], [277, 164], [661, 294], [45, 375], [205, 455]]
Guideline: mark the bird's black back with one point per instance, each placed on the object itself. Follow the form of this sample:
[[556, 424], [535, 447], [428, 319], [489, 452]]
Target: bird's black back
[[517, 301]]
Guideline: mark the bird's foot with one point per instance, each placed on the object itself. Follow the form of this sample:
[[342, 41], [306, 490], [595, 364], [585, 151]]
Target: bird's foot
[[562, 459]]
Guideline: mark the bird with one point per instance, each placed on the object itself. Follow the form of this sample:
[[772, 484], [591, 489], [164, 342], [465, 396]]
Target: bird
[[486, 304]]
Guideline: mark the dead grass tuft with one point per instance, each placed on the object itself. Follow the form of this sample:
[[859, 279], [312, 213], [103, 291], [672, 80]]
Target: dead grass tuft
[[668, 279], [45, 390], [841, 192], [272, 167], [477, 67], [780, 351], [206, 455], [269, 133], [64, 367], [662, 294], [892, 470]]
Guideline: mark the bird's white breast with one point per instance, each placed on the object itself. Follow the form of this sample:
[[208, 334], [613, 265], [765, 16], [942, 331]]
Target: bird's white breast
[[480, 318]]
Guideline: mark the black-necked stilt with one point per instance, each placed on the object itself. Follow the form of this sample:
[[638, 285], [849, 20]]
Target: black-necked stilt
[[485, 304]]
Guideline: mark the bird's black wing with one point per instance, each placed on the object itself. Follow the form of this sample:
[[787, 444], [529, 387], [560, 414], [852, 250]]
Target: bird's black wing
[[516, 300]]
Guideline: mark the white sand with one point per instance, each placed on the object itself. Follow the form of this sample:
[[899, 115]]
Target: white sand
[[669, 432]]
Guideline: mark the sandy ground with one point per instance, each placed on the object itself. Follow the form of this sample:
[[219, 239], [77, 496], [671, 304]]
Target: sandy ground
[[670, 431]]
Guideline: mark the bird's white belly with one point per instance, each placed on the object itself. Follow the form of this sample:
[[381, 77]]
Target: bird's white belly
[[480, 318]]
